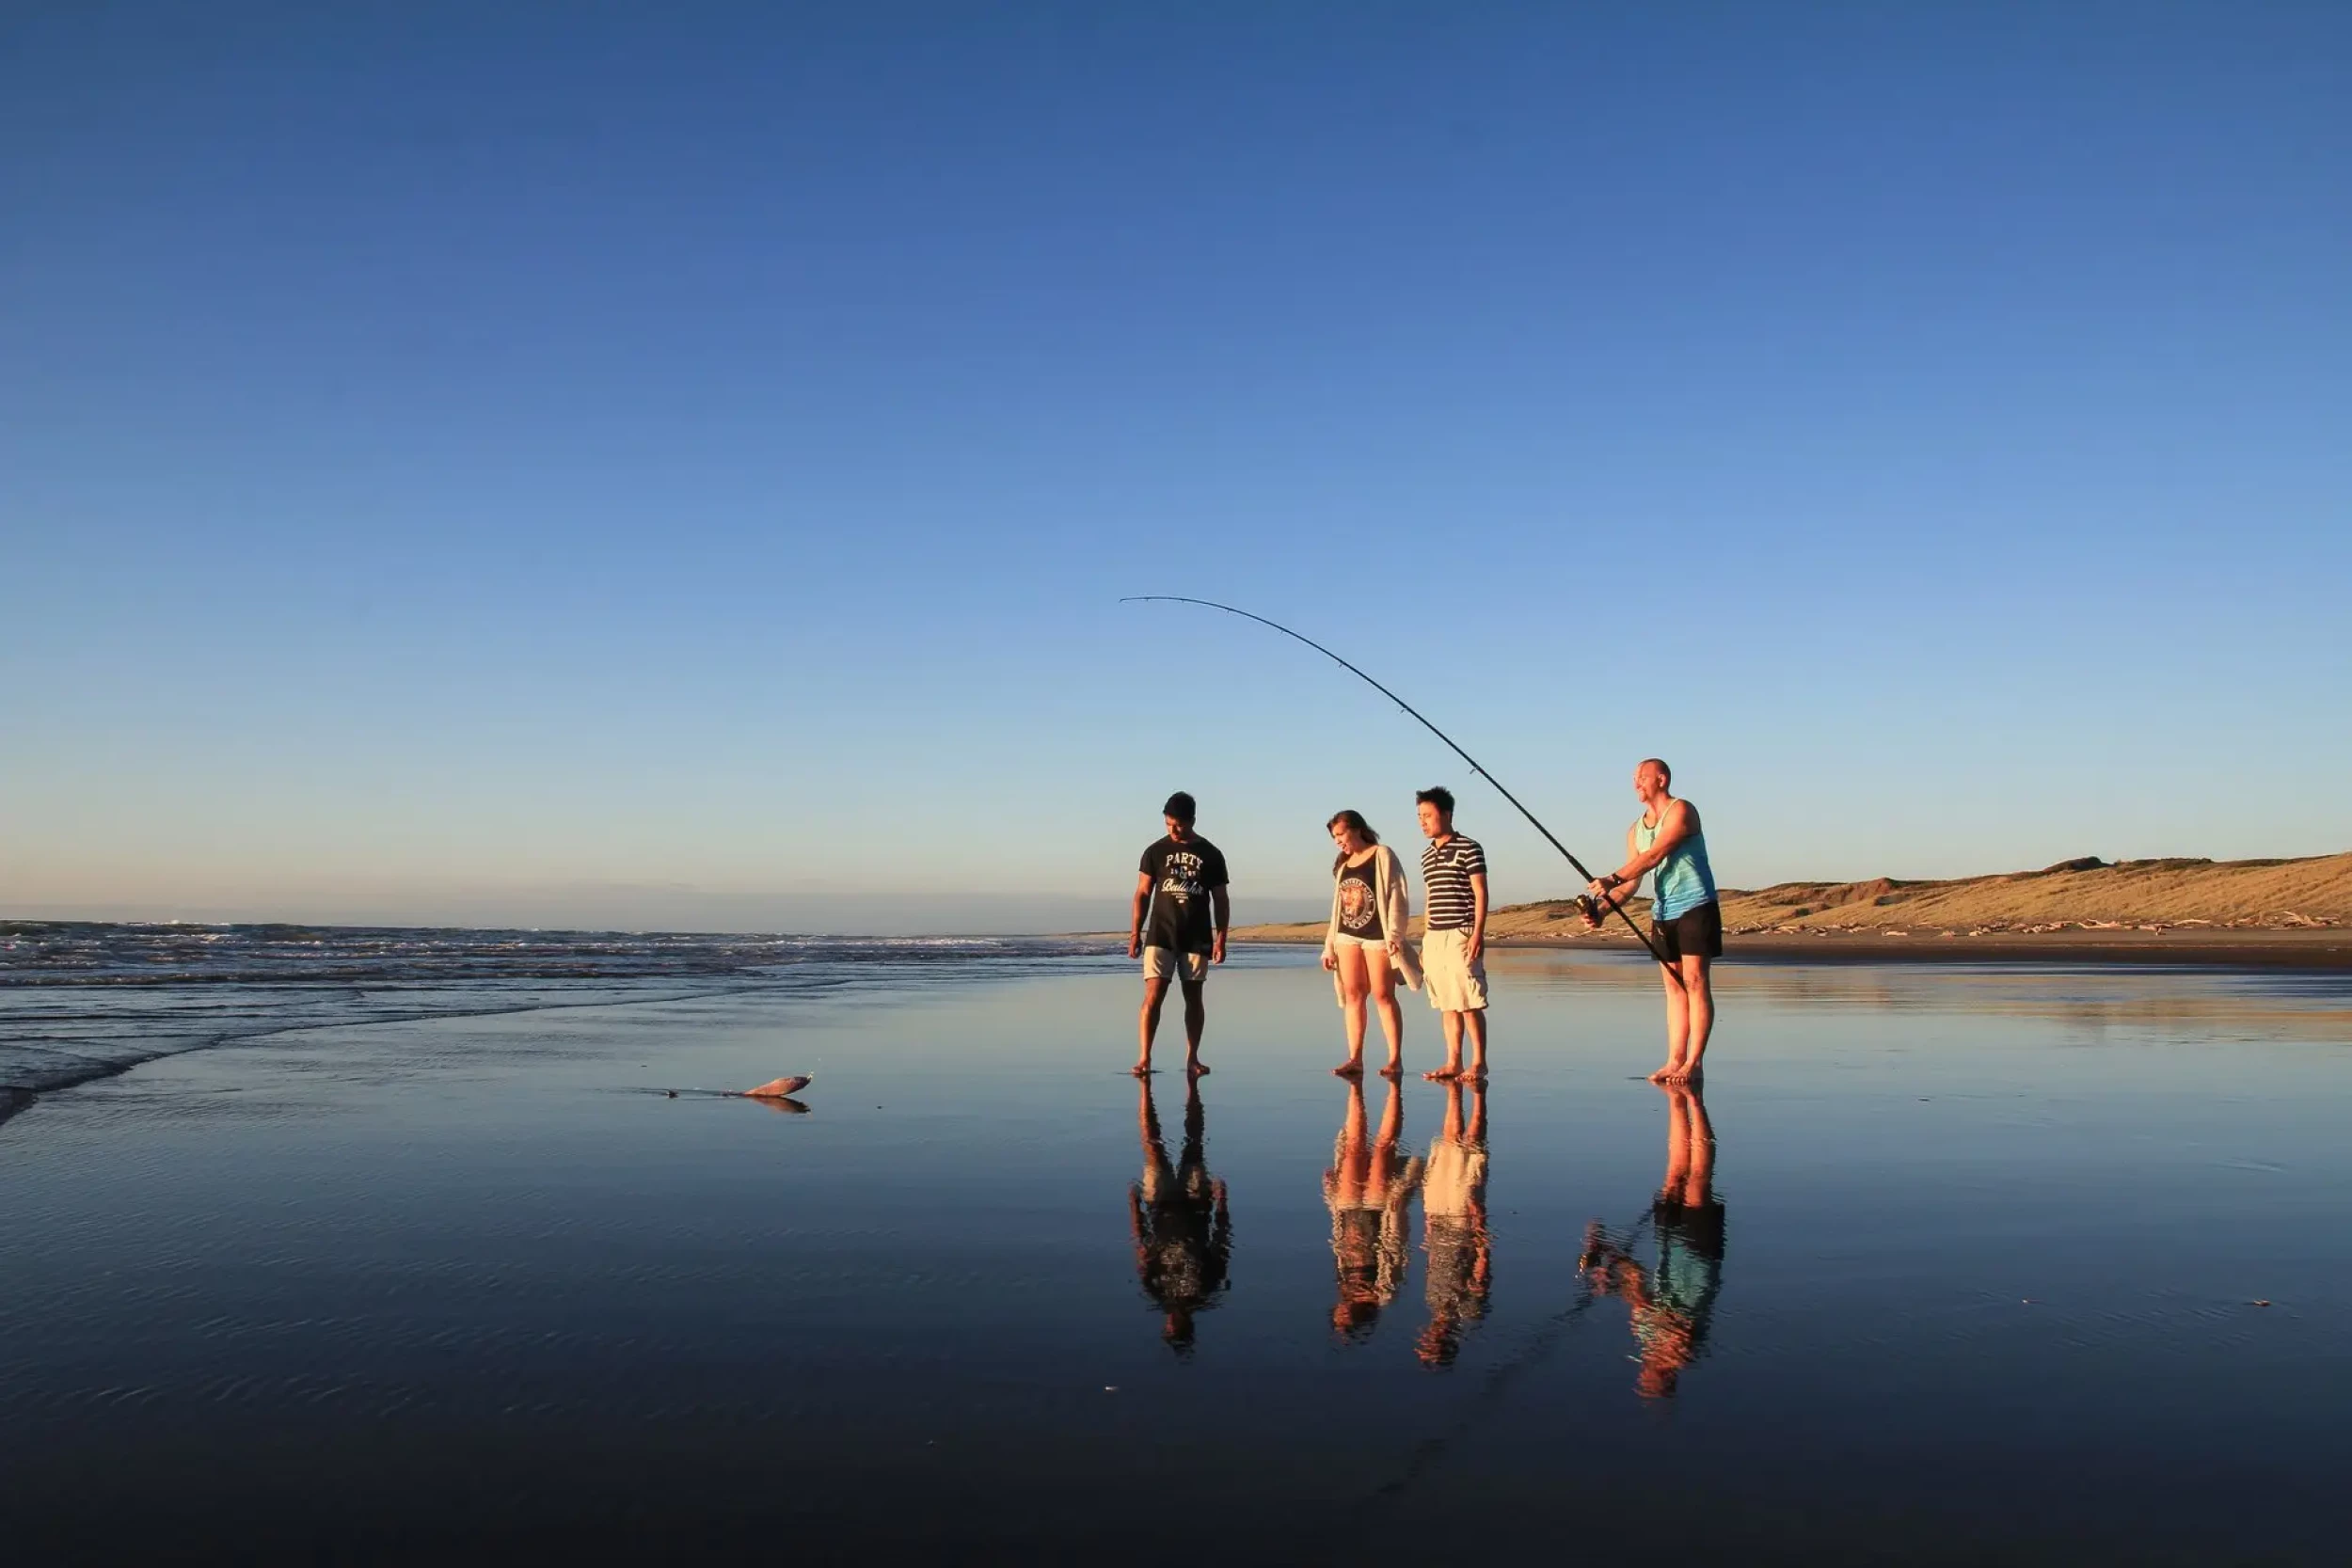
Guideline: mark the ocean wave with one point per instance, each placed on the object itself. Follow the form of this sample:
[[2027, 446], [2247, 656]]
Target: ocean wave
[[44, 953], [84, 1000]]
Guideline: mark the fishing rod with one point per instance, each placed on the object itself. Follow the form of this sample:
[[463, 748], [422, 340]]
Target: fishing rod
[[1415, 713]]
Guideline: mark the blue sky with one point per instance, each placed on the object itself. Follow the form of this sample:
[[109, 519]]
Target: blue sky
[[676, 465]]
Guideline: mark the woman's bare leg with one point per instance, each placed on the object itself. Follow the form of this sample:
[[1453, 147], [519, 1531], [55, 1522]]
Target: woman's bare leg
[[1384, 1159], [1354, 985], [1392, 1018], [1352, 1157]]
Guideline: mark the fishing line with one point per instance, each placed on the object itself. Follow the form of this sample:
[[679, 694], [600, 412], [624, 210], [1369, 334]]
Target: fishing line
[[1426, 1455], [1415, 713]]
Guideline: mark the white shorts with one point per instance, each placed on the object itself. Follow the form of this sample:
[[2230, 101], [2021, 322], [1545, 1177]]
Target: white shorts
[[1452, 1180], [1378, 944], [1456, 983], [1166, 963]]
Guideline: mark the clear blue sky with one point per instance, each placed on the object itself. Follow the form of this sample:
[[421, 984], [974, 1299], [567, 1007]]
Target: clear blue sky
[[676, 465]]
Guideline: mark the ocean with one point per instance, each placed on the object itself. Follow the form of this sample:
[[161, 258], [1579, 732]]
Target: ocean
[[81, 1000]]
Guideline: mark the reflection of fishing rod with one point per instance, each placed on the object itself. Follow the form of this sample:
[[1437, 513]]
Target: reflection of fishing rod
[[1212, 604], [1499, 1381]]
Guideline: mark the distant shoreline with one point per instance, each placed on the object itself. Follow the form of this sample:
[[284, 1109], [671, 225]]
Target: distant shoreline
[[2229, 914]]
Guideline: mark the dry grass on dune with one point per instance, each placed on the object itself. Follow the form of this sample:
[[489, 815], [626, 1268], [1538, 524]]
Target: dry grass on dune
[[2225, 894], [2085, 895]]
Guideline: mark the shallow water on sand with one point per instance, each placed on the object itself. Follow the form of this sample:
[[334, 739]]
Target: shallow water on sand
[[1970, 1274]]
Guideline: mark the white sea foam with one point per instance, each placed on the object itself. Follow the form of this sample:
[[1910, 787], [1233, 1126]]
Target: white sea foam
[[82, 999]]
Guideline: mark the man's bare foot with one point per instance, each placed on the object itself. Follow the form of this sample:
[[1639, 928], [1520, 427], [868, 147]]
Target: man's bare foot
[[1141, 1070], [1666, 1074], [1688, 1073], [1395, 1069], [1353, 1067], [1476, 1074], [1443, 1074], [1196, 1068]]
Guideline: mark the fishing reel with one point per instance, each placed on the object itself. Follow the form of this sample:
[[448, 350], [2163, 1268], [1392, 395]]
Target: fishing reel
[[1600, 1250], [1591, 908]]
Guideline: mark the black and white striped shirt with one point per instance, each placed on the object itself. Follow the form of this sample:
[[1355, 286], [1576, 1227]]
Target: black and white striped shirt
[[1445, 871]]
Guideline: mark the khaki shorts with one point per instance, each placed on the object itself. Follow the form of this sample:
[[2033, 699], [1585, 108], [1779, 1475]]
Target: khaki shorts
[[1455, 984], [1166, 963]]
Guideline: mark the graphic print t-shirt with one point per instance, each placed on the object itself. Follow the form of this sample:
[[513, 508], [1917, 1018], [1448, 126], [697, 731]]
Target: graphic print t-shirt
[[1360, 902], [1182, 876]]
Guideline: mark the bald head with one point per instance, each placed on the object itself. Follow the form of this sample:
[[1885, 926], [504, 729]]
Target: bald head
[[1666, 774]]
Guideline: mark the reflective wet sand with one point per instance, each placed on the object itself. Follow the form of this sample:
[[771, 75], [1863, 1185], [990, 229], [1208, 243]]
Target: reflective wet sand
[[1941, 1265]]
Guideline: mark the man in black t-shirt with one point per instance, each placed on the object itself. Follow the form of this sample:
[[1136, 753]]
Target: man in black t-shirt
[[1182, 883]]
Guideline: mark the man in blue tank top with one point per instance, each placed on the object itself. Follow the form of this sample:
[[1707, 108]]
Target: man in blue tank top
[[1686, 921]]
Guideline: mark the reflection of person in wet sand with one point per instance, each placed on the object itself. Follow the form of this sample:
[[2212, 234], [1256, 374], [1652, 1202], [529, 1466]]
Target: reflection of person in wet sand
[[1183, 1229], [1367, 1189], [1458, 1255], [1673, 1299]]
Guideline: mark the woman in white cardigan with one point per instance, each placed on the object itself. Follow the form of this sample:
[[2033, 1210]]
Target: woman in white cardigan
[[1365, 947]]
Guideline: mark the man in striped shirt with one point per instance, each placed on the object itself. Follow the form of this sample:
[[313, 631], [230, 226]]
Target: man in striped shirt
[[1453, 949]]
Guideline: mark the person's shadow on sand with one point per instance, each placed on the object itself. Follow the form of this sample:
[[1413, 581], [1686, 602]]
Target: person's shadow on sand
[[1672, 1299], [1183, 1226]]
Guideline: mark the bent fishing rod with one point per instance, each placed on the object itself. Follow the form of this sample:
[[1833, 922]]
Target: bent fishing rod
[[1415, 714]]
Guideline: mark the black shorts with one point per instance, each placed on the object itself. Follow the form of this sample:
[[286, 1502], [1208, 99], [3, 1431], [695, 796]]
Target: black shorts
[[1699, 1227], [1694, 933]]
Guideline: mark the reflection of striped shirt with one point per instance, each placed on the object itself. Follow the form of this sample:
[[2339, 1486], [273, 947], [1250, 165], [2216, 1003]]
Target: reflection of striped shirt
[[1445, 871]]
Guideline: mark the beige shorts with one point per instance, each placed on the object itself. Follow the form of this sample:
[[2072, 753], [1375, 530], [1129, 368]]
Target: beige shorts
[[1166, 963], [1455, 984]]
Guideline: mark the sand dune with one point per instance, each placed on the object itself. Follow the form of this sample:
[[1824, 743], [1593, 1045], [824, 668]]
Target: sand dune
[[2082, 898]]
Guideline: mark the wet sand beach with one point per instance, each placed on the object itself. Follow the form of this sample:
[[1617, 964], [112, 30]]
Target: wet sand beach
[[2017, 1264]]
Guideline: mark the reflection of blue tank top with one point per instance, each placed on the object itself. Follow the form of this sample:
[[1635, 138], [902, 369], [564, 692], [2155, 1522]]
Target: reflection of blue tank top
[[1683, 880]]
